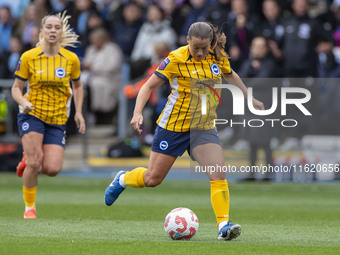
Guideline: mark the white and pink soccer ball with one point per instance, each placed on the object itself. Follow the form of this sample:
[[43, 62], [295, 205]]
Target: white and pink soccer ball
[[181, 223]]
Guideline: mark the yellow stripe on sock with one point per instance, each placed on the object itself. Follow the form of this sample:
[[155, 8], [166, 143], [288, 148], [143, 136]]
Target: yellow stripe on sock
[[29, 195], [135, 178]]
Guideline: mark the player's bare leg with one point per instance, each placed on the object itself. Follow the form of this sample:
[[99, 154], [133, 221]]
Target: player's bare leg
[[211, 154], [53, 159], [159, 166], [32, 143]]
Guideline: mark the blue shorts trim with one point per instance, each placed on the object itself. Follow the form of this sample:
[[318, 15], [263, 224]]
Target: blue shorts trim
[[176, 143], [53, 134]]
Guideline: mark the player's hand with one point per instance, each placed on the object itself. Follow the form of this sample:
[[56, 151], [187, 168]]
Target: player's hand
[[257, 104], [80, 122], [27, 106], [136, 122]]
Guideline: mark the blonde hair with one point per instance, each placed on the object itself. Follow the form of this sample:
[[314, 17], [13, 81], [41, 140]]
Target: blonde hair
[[205, 30], [69, 37]]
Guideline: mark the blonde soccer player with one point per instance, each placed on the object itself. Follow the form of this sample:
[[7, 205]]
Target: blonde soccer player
[[44, 109], [202, 63]]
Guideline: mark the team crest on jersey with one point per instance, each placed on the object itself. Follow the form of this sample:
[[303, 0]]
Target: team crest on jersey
[[164, 64], [60, 72], [215, 69], [163, 145], [18, 66]]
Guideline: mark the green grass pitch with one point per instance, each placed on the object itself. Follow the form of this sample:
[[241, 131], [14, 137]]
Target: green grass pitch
[[276, 218]]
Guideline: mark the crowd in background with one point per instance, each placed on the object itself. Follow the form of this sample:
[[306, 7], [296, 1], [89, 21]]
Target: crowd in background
[[303, 35], [265, 39]]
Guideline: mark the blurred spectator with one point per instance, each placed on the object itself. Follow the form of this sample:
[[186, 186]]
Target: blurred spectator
[[10, 58], [175, 13], [125, 30], [144, 4], [155, 29], [317, 8], [103, 59], [261, 63], [32, 17], [336, 30], [272, 28], [197, 13], [217, 14], [329, 62], [17, 7], [16, 49], [34, 39], [6, 28], [260, 66], [59, 5], [3, 67], [303, 41], [80, 11], [304, 38], [43, 5], [255, 6], [242, 28], [110, 10], [94, 21], [7, 25]]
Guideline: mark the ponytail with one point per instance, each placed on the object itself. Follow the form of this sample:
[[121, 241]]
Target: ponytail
[[218, 42]]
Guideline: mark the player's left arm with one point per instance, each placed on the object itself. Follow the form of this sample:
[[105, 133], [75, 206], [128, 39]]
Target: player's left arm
[[143, 96], [78, 97], [235, 80]]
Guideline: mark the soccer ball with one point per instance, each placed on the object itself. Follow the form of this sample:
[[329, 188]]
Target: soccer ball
[[181, 223]]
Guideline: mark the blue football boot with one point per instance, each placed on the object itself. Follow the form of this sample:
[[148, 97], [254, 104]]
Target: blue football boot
[[114, 189], [229, 232]]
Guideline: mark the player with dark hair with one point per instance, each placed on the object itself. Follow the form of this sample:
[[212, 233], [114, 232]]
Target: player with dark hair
[[202, 61], [44, 108]]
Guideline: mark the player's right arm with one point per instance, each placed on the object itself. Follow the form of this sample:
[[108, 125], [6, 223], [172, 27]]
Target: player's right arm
[[17, 95], [143, 96], [22, 75]]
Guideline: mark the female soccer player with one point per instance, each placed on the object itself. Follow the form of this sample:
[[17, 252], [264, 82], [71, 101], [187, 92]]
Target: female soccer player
[[188, 70], [44, 108]]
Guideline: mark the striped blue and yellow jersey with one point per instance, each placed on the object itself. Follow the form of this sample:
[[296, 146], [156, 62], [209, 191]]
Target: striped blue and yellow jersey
[[190, 80], [48, 82]]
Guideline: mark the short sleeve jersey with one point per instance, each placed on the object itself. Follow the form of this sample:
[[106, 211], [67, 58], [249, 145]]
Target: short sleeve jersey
[[190, 80], [48, 82]]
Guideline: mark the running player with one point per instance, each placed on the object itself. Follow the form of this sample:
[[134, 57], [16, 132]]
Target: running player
[[44, 109], [178, 130]]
